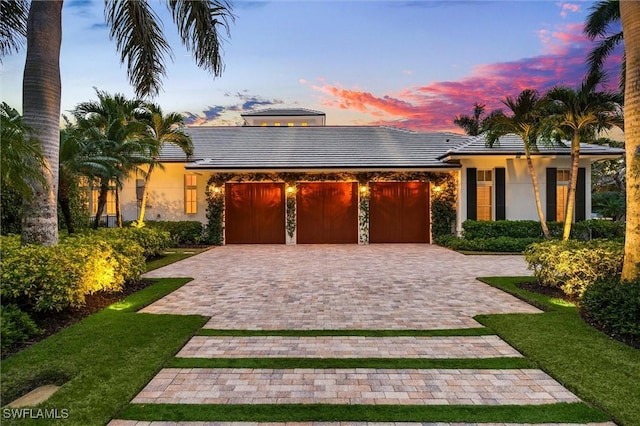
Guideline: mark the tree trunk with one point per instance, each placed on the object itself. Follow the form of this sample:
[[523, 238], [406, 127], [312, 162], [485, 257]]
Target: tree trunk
[[573, 183], [536, 194], [41, 110], [145, 195], [630, 14], [102, 202], [118, 211], [64, 198]]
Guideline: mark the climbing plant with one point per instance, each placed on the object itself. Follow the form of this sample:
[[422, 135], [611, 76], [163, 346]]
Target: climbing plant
[[291, 211], [214, 230], [443, 207]]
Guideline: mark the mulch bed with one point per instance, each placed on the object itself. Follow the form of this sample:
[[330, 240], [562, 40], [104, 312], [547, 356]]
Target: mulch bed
[[53, 322]]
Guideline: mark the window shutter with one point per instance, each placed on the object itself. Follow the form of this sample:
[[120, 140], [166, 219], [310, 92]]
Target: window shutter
[[472, 193], [501, 205], [552, 193], [581, 195]]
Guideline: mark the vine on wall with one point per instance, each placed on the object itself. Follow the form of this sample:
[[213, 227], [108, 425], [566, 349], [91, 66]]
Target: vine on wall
[[291, 211], [214, 230], [443, 207], [363, 215]]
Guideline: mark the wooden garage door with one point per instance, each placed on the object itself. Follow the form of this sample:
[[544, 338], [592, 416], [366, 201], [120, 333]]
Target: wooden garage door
[[327, 213], [399, 212], [254, 213]]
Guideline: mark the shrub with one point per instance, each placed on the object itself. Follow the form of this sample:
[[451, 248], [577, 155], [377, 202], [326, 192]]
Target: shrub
[[154, 242], [182, 232], [585, 230], [497, 244], [614, 307], [16, 327], [594, 229], [573, 265]]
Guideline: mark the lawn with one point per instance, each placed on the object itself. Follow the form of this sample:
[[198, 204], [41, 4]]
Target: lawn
[[600, 370], [102, 361]]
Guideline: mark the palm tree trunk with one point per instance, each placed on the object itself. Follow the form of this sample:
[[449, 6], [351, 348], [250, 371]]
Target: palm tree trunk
[[630, 14], [536, 194], [41, 111], [118, 211], [573, 183], [102, 202], [64, 198], [145, 195]]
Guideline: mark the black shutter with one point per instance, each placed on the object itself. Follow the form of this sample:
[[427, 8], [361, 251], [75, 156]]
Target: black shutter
[[552, 183], [472, 193], [501, 205], [581, 195]]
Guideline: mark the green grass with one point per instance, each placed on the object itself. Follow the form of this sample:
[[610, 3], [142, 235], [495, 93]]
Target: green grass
[[102, 361], [394, 363], [172, 255], [480, 331], [600, 370], [574, 413]]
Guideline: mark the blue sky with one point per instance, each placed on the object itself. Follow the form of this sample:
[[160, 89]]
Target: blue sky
[[413, 64]]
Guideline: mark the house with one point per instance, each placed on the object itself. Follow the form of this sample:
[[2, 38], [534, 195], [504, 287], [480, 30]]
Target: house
[[314, 183]]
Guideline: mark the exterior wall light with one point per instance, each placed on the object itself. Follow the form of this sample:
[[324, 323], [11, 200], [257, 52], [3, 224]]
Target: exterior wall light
[[437, 188]]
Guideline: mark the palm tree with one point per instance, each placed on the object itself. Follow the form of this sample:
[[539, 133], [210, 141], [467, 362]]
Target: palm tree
[[162, 129], [13, 25], [113, 127], [78, 159], [577, 115], [472, 125], [524, 122], [604, 15], [21, 159], [630, 16], [143, 48]]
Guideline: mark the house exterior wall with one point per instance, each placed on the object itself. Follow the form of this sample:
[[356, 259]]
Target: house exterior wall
[[166, 196], [520, 201], [284, 120]]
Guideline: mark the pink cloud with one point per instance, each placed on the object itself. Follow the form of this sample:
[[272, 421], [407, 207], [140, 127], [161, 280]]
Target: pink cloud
[[568, 7], [433, 106]]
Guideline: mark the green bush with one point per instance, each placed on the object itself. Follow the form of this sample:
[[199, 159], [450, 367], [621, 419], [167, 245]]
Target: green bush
[[614, 307], [573, 265], [154, 242], [184, 232], [595, 229], [585, 230], [54, 278], [496, 244], [16, 327]]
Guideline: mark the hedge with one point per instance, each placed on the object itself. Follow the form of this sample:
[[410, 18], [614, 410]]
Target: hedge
[[573, 265], [16, 327], [154, 242], [585, 230], [614, 307], [186, 232], [495, 244]]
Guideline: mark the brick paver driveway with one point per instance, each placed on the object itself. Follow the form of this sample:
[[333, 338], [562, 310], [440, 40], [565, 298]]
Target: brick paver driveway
[[388, 286]]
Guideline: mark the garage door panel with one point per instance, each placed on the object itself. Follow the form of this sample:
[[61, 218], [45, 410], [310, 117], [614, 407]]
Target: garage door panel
[[327, 213], [255, 213], [399, 212]]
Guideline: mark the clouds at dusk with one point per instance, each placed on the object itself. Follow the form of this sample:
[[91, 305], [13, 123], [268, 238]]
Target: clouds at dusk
[[228, 114], [432, 107]]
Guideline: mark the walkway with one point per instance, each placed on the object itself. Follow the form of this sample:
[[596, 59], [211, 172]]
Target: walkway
[[377, 287]]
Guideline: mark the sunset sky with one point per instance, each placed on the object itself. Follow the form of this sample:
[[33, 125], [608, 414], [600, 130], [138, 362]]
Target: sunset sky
[[411, 64]]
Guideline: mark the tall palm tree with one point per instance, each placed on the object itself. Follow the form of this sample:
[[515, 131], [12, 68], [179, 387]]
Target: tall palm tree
[[604, 15], [577, 115], [630, 15], [524, 121], [13, 25], [142, 46], [161, 129], [472, 125], [113, 127]]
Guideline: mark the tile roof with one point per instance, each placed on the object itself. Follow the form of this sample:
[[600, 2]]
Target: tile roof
[[345, 147], [513, 145], [281, 111]]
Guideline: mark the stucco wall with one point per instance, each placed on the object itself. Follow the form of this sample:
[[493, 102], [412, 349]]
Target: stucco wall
[[166, 197], [520, 201]]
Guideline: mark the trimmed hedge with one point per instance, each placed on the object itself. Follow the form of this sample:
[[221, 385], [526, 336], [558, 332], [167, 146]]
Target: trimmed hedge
[[154, 242], [614, 307], [186, 232], [573, 265], [496, 244], [585, 230]]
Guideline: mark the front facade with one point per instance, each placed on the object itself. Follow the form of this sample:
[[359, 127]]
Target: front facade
[[353, 184]]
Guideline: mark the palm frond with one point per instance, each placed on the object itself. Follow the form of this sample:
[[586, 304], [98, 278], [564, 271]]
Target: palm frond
[[13, 25], [141, 43], [603, 49], [198, 23], [603, 14]]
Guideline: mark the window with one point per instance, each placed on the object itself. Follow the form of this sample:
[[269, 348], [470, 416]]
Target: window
[[277, 124], [110, 206], [304, 124], [485, 195], [562, 184], [291, 124], [263, 124], [190, 194]]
